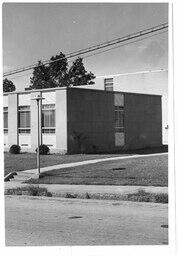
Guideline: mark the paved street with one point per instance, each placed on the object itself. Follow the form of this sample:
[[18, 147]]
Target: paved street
[[53, 221]]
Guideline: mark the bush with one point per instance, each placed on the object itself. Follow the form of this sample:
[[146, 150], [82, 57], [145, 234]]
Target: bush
[[15, 149], [69, 195], [87, 196], [161, 198], [44, 149], [142, 196], [30, 191]]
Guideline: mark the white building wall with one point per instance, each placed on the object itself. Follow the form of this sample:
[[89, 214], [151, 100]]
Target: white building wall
[[148, 82], [25, 140], [5, 101], [24, 99], [49, 97], [49, 140]]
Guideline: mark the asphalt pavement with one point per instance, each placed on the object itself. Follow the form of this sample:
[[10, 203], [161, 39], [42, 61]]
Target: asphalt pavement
[[52, 221]]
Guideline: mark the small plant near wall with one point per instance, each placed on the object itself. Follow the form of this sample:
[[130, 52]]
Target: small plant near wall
[[15, 149], [80, 139], [44, 149]]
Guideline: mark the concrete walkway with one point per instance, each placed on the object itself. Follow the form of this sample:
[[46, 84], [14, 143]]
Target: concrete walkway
[[94, 161], [62, 189]]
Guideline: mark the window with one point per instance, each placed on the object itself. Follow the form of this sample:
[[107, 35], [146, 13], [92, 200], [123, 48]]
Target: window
[[108, 84], [5, 114], [48, 118], [24, 119], [119, 118]]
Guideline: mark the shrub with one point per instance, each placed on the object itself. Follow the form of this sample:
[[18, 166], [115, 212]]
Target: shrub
[[161, 198], [87, 196], [142, 196], [15, 149], [29, 190], [68, 195], [44, 149]]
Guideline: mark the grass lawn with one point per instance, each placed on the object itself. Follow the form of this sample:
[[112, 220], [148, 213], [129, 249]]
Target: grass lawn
[[146, 171], [26, 161]]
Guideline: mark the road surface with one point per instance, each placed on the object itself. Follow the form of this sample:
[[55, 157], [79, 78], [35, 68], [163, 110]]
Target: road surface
[[55, 221]]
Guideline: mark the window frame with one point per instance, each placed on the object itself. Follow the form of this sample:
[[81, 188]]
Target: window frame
[[47, 130], [26, 129], [5, 111], [108, 84], [117, 111]]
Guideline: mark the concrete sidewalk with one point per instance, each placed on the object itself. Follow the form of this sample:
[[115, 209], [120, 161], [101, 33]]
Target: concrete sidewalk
[[62, 189], [94, 161]]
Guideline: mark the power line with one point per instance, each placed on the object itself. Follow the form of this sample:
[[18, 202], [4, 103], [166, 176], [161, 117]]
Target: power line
[[113, 48], [116, 47], [94, 48]]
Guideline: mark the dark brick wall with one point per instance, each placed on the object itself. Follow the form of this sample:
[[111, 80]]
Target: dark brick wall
[[143, 121], [90, 120]]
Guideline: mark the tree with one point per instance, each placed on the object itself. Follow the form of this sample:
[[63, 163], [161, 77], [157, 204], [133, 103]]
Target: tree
[[8, 86], [41, 77], [59, 69], [78, 74], [57, 74]]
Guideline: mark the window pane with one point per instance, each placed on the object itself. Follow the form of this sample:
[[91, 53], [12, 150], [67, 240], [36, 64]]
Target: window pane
[[48, 106], [42, 119], [119, 117], [27, 119], [24, 130], [6, 120], [22, 119], [46, 118], [48, 130], [24, 107], [52, 119], [108, 83]]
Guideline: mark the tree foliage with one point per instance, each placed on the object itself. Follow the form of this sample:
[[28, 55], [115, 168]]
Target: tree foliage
[[8, 86], [59, 69], [78, 74], [58, 74], [41, 77]]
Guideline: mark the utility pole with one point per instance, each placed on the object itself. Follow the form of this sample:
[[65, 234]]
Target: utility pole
[[38, 99]]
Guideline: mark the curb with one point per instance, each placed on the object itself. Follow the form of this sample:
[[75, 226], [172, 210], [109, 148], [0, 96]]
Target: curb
[[91, 192], [9, 176]]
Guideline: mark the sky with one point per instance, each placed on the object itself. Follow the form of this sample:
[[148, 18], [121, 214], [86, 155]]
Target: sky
[[37, 31]]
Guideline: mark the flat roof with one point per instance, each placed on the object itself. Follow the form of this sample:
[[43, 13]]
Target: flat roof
[[76, 88]]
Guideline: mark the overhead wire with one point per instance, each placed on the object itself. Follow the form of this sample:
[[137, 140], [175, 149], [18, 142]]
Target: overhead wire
[[103, 51], [93, 48]]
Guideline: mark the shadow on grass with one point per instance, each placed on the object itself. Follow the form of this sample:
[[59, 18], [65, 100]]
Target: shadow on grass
[[143, 151]]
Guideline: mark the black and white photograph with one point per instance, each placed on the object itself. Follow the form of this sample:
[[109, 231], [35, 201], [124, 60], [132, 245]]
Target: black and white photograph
[[86, 123]]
